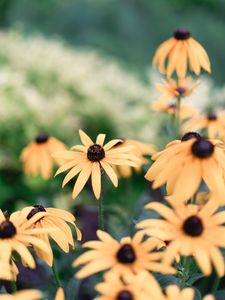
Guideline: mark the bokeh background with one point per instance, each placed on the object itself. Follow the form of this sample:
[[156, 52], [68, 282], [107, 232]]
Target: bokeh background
[[70, 64]]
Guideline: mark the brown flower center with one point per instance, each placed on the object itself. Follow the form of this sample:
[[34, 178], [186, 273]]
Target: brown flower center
[[7, 229], [41, 138], [182, 34], [36, 209], [95, 153], [202, 148], [181, 90], [126, 254], [190, 135], [211, 117], [193, 226], [125, 295]]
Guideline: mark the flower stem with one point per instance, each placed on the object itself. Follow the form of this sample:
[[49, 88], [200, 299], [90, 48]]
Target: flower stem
[[216, 284], [185, 272], [13, 286], [100, 214], [56, 275]]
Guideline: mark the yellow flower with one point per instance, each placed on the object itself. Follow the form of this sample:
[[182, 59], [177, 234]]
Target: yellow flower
[[16, 235], [186, 111], [181, 50], [60, 294], [57, 219], [130, 255], [139, 149], [37, 158], [88, 160], [214, 123], [171, 88], [23, 295], [184, 163], [192, 231]]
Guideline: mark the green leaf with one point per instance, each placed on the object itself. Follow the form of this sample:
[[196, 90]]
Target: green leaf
[[165, 280], [220, 295], [193, 278]]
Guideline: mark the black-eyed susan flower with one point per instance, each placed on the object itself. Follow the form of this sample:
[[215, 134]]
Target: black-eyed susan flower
[[23, 295], [89, 159], [57, 219], [129, 256], [192, 231], [212, 122], [180, 52], [8, 269], [37, 156], [184, 163], [185, 111], [16, 235], [172, 89], [60, 294], [140, 150]]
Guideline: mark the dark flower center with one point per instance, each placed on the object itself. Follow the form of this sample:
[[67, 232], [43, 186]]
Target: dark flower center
[[126, 254], [41, 138], [190, 135], [182, 34], [181, 90], [172, 106], [193, 226], [36, 209], [7, 230], [202, 148], [212, 117], [95, 153], [125, 295]]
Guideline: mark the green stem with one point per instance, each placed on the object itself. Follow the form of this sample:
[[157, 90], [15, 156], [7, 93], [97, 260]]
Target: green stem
[[216, 284], [13, 286], [185, 272], [100, 214], [56, 275]]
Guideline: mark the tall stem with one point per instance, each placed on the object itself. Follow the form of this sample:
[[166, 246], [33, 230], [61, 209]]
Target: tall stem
[[185, 272], [216, 284], [13, 286], [56, 275], [101, 214]]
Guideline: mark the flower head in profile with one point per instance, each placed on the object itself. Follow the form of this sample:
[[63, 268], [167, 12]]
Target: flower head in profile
[[37, 156], [23, 295], [214, 123], [180, 52], [184, 163], [16, 235], [192, 231], [57, 219], [89, 159], [172, 89], [129, 256]]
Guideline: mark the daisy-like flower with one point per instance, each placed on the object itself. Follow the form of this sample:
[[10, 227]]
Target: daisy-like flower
[[180, 51], [37, 158], [89, 159], [16, 235], [139, 149], [23, 295], [57, 219], [192, 231], [129, 256], [60, 294], [214, 123], [184, 163], [172, 89], [185, 111]]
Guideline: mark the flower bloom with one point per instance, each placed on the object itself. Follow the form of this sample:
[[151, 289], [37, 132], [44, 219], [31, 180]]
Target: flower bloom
[[23, 295], [184, 163], [37, 158], [129, 256], [57, 219], [88, 159], [181, 50], [191, 231]]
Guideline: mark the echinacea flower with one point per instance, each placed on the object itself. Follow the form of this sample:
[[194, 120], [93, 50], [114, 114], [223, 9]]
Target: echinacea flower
[[192, 231], [185, 111], [181, 51], [140, 150], [184, 163], [214, 123], [23, 295], [36, 157], [57, 219], [129, 256], [172, 89], [16, 235], [90, 158], [60, 294]]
